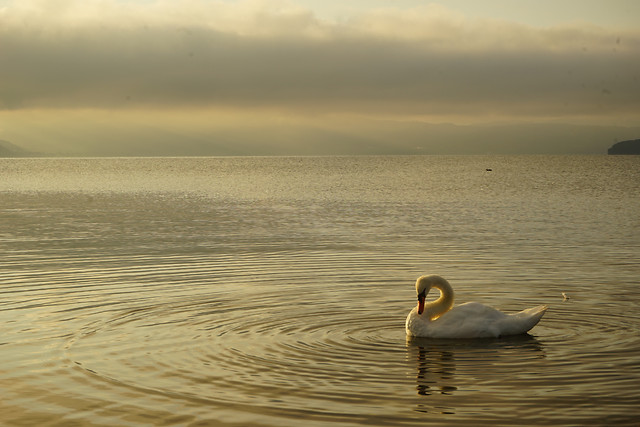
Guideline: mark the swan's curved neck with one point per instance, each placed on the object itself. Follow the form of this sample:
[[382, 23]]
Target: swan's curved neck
[[444, 303]]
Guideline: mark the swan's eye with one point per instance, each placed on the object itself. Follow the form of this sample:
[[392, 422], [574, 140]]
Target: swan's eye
[[422, 294]]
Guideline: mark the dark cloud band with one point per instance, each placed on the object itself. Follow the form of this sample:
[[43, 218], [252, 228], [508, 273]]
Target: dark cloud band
[[168, 67]]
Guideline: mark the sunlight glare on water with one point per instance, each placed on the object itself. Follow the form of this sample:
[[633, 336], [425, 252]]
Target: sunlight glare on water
[[266, 291]]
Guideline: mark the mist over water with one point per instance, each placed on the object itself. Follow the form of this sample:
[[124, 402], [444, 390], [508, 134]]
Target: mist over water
[[273, 290]]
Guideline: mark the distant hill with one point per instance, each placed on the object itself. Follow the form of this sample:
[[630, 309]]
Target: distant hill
[[8, 149], [625, 147]]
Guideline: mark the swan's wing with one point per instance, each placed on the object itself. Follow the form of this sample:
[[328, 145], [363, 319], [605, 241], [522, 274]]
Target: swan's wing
[[475, 311], [468, 320]]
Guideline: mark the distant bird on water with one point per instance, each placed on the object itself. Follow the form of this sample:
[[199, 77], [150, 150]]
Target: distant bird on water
[[565, 297]]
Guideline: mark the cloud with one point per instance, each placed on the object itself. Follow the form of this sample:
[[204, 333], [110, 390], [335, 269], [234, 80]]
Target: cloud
[[425, 61]]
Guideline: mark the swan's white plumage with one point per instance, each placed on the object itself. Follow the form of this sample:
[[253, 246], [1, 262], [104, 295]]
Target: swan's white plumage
[[469, 320]]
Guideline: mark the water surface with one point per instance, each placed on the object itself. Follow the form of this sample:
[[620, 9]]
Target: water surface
[[266, 291]]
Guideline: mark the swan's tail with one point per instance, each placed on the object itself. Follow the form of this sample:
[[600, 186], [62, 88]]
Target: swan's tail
[[525, 320], [536, 312]]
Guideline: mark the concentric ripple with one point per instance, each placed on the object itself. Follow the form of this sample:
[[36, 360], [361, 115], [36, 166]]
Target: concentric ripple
[[297, 352], [322, 358]]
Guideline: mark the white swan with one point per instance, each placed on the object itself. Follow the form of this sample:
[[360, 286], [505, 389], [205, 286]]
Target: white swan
[[470, 320]]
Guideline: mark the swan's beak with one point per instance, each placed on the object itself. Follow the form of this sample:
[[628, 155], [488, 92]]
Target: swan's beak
[[421, 299]]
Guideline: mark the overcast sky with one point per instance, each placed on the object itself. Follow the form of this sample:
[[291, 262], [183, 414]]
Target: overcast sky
[[318, 76]]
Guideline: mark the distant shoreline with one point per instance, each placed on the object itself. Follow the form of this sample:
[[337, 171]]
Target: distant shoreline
[[223, 156], [10, 150]]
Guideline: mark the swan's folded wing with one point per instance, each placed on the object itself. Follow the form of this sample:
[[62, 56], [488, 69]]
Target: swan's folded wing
[[469, 320]]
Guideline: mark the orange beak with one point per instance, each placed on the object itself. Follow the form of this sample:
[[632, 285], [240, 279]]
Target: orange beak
[[421, 299]]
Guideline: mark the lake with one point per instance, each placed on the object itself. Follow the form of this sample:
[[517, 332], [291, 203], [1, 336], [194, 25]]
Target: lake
[[272, 291]]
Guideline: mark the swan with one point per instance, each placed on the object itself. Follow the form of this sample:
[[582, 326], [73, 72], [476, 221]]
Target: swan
[[439, 319]]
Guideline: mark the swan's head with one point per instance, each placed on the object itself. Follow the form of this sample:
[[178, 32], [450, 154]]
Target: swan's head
[[424, 285]]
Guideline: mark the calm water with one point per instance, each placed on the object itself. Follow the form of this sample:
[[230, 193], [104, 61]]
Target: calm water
[[266, 291]]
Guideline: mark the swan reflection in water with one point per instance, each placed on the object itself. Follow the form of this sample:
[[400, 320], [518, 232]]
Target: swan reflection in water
[[445, 367], [436, 370]]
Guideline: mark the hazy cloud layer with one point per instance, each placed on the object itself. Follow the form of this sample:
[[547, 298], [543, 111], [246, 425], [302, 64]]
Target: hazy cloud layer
[[192, 77], [426, 61]]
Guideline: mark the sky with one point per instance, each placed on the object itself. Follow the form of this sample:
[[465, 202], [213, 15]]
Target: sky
[[261, 77]]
